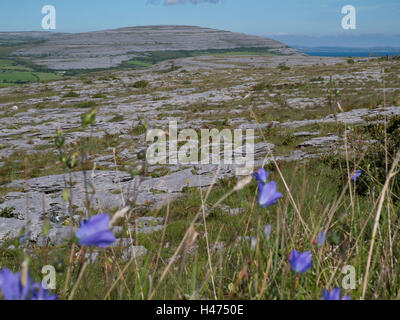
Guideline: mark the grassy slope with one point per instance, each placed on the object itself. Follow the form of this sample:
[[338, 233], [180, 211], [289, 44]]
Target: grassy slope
[[238, 271], [312, 197]]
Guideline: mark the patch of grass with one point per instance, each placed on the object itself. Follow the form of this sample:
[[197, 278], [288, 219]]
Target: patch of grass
[[99, 96], [283, 67], [317, 79], [117, 118], [71, 94], [140, 84], [7, 212], [40, 164], [43, 147], [288, 139], [17, 77], [95, 145], [47, 76], [138, 63], [138, 130], [6, 63], [264, 85], [160, 172], [86, 105]]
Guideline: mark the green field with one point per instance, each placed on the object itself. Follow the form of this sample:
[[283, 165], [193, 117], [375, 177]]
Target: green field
[[13, 73], [16, 71], [138, 63], [46, 76]]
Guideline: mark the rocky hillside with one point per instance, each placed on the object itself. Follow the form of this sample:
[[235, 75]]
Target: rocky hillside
[[109, 48]]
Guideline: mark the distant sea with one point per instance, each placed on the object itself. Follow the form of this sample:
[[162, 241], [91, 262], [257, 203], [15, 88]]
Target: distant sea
[[349, 52]]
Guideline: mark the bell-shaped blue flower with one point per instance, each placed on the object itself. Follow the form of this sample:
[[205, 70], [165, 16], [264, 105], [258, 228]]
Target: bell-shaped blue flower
[[356, 175], [268, 194], [96, 231], [335, 294], [321, 238], [12, 288], [300, 262], [261, 175], [40, 293]]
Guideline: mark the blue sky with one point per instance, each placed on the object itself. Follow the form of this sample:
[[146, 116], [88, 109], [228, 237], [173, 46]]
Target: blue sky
[[261, 17]]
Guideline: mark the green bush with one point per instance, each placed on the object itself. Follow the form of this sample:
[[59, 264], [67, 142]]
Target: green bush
[[8, 213], [264, 85], [99, 96], [141, 84], [87, 104], [71, 94], [287, 139], [283, 67]]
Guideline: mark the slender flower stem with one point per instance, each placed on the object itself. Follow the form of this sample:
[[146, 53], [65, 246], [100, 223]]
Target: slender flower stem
[[78, 281], [391, 174]]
